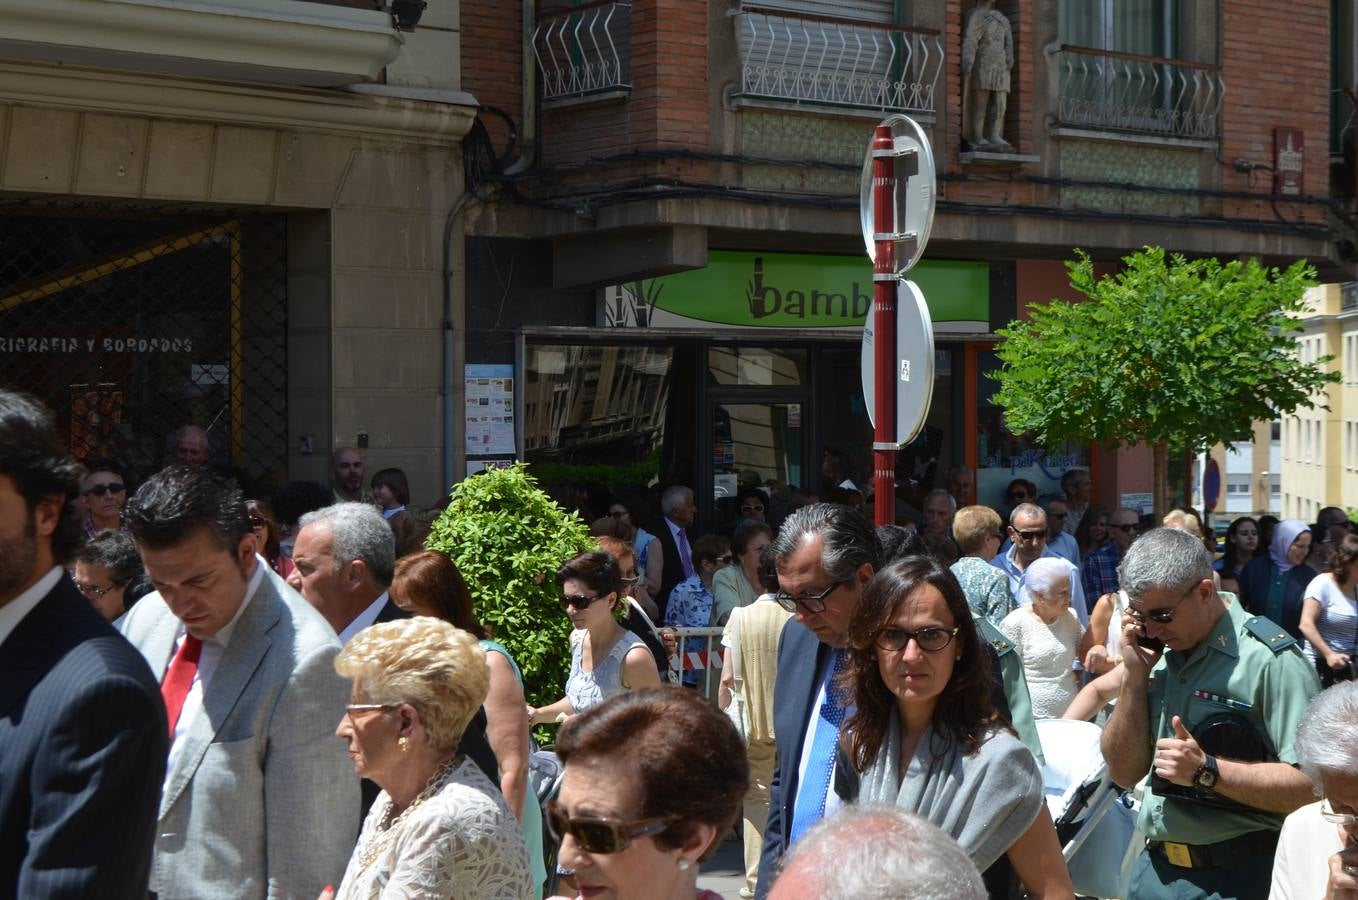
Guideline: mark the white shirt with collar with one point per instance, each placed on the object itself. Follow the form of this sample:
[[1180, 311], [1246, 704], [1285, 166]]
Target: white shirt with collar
[[14, 612], [363, 619], [1018, 580], [209, 657]]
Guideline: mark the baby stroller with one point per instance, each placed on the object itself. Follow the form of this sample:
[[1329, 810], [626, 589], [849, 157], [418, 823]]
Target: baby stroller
[[1095, 819]]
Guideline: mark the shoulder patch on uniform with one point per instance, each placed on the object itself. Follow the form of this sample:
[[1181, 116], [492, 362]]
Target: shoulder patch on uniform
[[1269, 633], [992, 635]]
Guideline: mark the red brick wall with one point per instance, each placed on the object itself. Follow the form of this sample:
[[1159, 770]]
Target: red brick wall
[[492, 68], [1276, 65]]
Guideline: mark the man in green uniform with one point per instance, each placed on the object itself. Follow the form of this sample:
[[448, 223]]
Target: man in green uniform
[[1211, 719]]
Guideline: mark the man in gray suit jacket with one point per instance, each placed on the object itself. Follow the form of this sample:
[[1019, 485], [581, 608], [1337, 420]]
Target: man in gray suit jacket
[[259, 797]]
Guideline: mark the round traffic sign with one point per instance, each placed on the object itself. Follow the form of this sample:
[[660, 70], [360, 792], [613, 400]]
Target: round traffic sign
[[914, 365], [916, 186]]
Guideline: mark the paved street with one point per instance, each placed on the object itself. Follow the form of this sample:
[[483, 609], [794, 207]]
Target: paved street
[[725, 871]]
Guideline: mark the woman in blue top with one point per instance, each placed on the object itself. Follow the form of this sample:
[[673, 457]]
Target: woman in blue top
[[1274, 586], [429, 584]]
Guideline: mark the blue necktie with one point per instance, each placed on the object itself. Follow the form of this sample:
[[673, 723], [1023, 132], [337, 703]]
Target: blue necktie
[[820, 763]]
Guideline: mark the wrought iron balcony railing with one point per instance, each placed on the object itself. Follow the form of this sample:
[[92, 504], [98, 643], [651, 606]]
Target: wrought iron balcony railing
[[584, 50], [1129, 92], [833, 62]]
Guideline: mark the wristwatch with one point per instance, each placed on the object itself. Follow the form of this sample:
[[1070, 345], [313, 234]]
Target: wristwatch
[[1207, 774]]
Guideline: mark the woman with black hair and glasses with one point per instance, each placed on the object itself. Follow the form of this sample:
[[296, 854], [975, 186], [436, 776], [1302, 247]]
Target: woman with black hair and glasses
[[606, 659], [925, 736]]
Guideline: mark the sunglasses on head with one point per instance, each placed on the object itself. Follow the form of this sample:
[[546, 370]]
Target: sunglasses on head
[[100, 490], [600, 834], [579, 601]]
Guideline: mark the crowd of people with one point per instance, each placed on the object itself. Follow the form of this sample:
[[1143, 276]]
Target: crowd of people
[[204, 695]]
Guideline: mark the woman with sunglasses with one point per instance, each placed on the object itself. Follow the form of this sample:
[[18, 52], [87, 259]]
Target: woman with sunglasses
[[265, 526], [1273, 586], [1317, 852], [630, 511], [103, 491], [606, 659], [925, 735], [429, 584], [439, 828], [652, 781]]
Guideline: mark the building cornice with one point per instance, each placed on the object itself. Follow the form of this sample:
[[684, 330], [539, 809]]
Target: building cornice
[[200, 100], [271, 41]]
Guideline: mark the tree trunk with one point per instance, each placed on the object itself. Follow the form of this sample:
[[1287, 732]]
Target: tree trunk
[[1160, 479]]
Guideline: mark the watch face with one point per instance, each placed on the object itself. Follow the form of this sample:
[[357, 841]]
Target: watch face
[[1207, 778]]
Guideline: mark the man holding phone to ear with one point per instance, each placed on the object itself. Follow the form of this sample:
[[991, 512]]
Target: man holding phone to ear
[[1209, 706]]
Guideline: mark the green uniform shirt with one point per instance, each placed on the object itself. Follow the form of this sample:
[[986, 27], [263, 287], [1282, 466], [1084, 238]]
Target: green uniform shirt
[[1239, 673]]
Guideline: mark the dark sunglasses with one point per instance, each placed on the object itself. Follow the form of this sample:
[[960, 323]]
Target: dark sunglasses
[[1163, 616], [258, 522], [1125, 529], [579, 601], [598, 834], [812, 603], [1031, 535], [100, 490], [930, 640]]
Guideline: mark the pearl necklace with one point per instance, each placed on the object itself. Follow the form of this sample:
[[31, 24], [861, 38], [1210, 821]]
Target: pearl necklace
[[387, 829]]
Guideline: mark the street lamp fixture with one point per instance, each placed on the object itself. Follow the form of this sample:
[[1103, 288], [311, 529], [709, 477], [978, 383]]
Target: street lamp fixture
[[407, 13]]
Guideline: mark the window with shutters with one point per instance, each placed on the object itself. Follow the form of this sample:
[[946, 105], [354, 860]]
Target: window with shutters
[[1129, 65], [837, 53]]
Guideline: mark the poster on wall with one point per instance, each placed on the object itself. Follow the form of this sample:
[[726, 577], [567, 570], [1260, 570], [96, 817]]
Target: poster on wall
[[489, 401]]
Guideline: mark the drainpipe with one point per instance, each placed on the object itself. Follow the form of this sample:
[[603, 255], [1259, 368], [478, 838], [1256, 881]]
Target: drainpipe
[[528, 133], [454, 346]]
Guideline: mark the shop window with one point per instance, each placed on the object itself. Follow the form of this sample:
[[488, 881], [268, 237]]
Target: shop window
[[595, 406], [129, 325], [756, 366], [1002, 456]]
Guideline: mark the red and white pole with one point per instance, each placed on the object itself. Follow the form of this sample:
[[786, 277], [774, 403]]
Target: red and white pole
[[884, 329]]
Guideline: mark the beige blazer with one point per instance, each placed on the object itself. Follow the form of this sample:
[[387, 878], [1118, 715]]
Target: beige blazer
[[263, 800]]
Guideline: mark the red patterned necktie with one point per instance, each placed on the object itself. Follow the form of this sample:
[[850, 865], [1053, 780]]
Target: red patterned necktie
[[179, 678]]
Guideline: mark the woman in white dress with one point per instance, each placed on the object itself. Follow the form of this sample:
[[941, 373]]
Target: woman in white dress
[[439, 828], [1049, 638]]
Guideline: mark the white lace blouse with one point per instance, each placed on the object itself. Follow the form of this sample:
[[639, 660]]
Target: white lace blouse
[[463, 843]]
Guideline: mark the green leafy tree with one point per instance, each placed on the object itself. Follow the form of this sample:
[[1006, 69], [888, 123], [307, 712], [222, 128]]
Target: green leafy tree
[[1170, 352], [508, 538]]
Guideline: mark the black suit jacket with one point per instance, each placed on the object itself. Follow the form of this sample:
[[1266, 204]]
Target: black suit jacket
[[83, 743], [474, 742], [672, 572], [800, 658]]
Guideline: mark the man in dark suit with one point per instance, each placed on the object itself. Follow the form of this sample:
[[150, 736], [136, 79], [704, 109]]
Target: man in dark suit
[[345, 556], [82, 728], [827, 553], [679, 509]]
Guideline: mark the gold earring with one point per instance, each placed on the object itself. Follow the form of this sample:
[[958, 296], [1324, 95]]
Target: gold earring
[[403, 744]]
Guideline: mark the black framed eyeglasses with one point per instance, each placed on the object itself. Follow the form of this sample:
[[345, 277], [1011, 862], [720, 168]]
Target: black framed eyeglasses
[[1162, 616], [100, 490], [579, 601], [930, 640], [601, 834], [812, 603], [94, 592]]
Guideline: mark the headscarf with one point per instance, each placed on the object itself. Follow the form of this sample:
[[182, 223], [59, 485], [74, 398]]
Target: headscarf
[[1284, 534]]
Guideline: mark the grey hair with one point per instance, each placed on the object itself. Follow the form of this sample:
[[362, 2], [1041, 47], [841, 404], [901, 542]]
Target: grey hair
[[1164, 558], [847, 539], [674, 497], [114, 550], [1026, 510], [941, 492], [358, 531], [1044, 574], [881, 852], [1327, 739]]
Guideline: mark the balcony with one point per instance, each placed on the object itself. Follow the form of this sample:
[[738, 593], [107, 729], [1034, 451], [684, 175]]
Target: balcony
[[1140, 95], [584, 54], [835, 63]]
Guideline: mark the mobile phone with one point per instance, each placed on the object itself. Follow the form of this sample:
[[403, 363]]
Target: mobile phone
[[1150, 643]]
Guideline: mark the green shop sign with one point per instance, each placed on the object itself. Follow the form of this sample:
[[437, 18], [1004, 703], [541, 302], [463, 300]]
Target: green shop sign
[[792, 290]]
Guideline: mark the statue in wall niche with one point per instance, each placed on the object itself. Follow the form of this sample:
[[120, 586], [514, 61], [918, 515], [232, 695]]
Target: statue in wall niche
[[987, 57]]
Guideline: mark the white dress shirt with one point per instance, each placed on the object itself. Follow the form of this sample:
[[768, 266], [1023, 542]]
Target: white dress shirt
[[363, 619], [13, 612]]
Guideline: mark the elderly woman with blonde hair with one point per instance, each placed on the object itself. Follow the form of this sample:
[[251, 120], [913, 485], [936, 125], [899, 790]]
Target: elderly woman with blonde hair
[[439, 828]]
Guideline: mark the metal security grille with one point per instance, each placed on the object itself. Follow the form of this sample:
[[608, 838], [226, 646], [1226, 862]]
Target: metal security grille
[[130, 324]]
